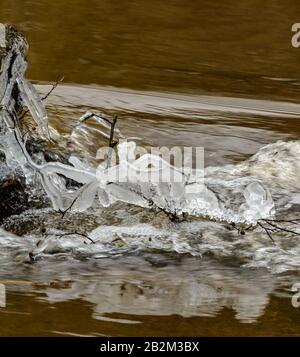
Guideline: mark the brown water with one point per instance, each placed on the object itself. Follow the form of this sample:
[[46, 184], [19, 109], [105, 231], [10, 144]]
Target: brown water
[[237, 48], [161, 61]]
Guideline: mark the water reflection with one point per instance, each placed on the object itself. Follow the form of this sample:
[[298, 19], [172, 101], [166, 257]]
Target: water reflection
[[171, 290]]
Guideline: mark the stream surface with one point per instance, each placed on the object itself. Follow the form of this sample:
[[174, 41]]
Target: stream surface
[[222, 76]]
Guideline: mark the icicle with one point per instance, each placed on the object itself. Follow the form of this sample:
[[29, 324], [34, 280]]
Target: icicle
[[33, 102], [259, 203], [85, 196]]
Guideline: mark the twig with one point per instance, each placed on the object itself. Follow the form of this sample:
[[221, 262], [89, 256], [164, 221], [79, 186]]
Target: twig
[[68, 234], [171, 215], [111, 142], [54, 85], [267, 231], [90, 115], [281, 228], [63, 213], [295, 221], [79, 234], [112, 130]]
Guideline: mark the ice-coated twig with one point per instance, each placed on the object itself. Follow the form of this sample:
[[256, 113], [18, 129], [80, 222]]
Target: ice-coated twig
[[171, 198], [78, 234], [92, 186]]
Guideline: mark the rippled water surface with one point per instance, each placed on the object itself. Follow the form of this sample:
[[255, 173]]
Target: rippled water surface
[[221, 76]]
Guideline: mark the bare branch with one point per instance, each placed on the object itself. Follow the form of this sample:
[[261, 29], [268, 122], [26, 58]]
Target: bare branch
[[281, 228], [267, 231], [111, 142], [54, 85], [79, 234], [112, 130]]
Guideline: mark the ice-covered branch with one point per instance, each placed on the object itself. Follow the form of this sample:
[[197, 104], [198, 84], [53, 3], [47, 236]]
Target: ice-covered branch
[[216, 194]]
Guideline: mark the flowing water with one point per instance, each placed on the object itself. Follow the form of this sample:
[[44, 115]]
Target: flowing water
[[222, 76]]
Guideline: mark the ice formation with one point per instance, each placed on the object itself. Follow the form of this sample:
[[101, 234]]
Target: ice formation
[[185, 193], [126, 181]]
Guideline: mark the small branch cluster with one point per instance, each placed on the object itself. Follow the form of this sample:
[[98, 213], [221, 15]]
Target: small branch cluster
[[273, 226]]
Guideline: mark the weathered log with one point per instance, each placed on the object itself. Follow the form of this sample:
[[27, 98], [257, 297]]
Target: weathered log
[[13, 63], [21, 112], [13, 52]]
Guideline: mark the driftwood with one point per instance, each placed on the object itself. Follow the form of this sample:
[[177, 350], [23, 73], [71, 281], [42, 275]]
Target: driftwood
[[14, 107], [12, 58]]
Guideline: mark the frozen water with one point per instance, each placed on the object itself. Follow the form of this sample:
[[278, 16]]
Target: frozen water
[[259, 203], [233, 194]]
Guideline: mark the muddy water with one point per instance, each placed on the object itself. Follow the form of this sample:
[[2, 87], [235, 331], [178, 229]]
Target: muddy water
[[171, 67]]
